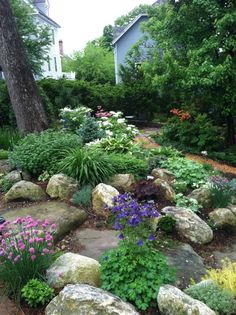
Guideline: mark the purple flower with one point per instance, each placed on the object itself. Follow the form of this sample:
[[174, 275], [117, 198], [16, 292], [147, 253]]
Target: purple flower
[[121, 236], [140, 242], [151, 237], [31, 250], [33, 257]]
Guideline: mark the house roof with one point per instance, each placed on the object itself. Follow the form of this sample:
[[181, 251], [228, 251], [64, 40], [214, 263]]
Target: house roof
[[47, 19], [129, 26]]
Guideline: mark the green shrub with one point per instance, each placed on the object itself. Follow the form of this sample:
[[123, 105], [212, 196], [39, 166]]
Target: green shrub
[[87, 166], [37, 292], [135, 276], [90, 130], [6, 184], [218, 299], [83, 196], [3, 154], [8, 137], [128, 164], [167, 224], [37, 153], [185, 202], [120, 144], [222, 191]]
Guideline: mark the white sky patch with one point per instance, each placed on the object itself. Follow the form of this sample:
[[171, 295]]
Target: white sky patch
[[84, 20]]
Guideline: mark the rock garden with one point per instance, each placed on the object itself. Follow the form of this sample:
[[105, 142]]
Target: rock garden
[[94, 221]]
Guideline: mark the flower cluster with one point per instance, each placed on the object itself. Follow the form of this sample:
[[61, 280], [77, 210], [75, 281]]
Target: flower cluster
[[25, 239], [183, 115], [223, 183], [133, 219], [101, 113], [73, 118]]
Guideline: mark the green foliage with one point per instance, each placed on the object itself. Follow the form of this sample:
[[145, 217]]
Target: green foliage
[[83, 196], [87, 166], [8, 137], [72, 119], [185, 171], [126, 19], [195, 134], [42, 152], [116, 144], [128, 164], [90, 130], [5, 184], [222, 191], [37, 292], [167, 224], [185, 202], [135, 275], [3, 154], [218, 299], [228, 155], [36, 37]]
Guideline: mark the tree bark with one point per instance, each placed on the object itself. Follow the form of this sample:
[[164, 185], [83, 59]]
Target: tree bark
[[26, 103], [230, 129]]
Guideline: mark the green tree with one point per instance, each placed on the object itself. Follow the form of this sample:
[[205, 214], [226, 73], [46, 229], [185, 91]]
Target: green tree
[[36, 37], [94, 64], [126, 19], [194, 57]]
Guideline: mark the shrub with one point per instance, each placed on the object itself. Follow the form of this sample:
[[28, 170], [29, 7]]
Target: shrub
[[120, 144], [37, 292], [219, 300], [8, 137], [185, 202], [83, 196], [42, 152], [90, 130], [126, 163], [3, 154], [167, 224], [6, 184], [225, 277], [222, 191], [87, 166], [25, 251], [73, 118], [135, 275]]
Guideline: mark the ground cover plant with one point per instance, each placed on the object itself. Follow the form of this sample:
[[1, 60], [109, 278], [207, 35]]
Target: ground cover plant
[[222, 191], [3, 154], [83, 196], [8, 137]]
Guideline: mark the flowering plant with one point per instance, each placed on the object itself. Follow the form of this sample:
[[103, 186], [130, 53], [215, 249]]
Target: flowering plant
[[26, 251], [183, 115], [73, 118], [222, 191], [133, 220]]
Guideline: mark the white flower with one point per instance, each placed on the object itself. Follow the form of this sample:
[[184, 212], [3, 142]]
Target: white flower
[[120, 120], [104, 118], [150, 177], [93, 142], [109, 133], [106, 123], [128, 128], [117, 114], [204, 153]]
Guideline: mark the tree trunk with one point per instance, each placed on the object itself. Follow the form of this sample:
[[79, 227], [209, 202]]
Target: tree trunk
[[26, 103], [230, 129]]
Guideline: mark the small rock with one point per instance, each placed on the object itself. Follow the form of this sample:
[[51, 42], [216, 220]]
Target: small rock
[[5, 167], [172, 301], [165, 189], [203, 196], [82, 299], [163, 174], [72, 268], [102, 197], [61, 186], [17, 176], [25, 190], [122, 182], [190, 225], [223, 217]]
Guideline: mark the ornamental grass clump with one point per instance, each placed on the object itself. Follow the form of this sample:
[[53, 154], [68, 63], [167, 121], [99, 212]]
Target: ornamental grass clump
[[26, 251], [222, 191]]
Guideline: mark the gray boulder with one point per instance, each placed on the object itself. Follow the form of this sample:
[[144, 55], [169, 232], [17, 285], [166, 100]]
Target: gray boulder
[[166, 189], [17, 176], [82, 299], [61, 186], [5, 167], [72, 268], [223, 217], [202, 195], [163, 174], [26, 191], [190, 225], [172, 301], [122, 182]]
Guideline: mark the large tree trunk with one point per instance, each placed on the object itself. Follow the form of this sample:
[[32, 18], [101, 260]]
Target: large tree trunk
[[26, 103]]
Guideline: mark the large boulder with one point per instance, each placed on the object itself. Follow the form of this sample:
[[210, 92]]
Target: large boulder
[[166, 189], [188, 264], [17, 176], [26, 191], [202, 195], [172, 301], [82, 299], [72, 268], [122, 182], [102, 197], [223, 217], [5, 167], [61, 186], [190, 225], [163, 174], [64, 216]]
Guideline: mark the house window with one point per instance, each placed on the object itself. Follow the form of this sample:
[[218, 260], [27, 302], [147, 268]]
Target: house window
[[53, 37], [55, 63], [49, 64]]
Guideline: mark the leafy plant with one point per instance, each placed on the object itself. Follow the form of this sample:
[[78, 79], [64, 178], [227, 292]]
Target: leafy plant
[[146, 190], [218, 299], [73, 118], [186, 202], [26, 251], [167, 224], [83, 196], [87, 166], [3, 154], [135, 275], [37, 292], [90, 130], [6, 184], [225, 277], [222, 191], [42, 152], [8, 137], [119, 144]]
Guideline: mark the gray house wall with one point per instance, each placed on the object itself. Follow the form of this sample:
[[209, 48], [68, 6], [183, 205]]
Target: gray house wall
[[125, 43]]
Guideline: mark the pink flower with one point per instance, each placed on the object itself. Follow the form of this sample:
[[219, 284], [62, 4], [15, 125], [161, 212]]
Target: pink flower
[[31, 240], [18, 257], [46, 251], [31, 250], [38, 239], [50, 244], [22, 247], [48, 237], [53, 226], [33, 257]]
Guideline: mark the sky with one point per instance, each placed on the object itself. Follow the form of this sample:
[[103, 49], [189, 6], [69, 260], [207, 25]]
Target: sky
[[84, 20]]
